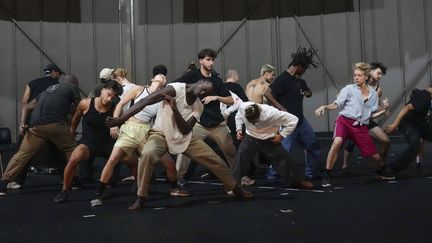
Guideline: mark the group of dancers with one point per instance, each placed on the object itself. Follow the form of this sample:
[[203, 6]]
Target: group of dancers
[[168, 122]]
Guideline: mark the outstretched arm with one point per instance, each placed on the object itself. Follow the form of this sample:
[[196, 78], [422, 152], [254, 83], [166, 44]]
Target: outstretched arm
[[152, 98], [390, 128], [321, 109]]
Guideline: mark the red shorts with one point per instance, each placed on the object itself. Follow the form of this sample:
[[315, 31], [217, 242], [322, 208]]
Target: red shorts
[[359, 134]]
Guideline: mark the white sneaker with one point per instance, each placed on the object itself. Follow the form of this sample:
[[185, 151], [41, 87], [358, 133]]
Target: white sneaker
[[246, 181], [13, 185]]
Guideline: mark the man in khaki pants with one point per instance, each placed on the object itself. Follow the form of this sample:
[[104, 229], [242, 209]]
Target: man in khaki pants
[[48, 123]]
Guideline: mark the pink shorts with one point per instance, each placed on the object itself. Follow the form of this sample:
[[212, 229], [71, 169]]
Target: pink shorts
[[344, 128]]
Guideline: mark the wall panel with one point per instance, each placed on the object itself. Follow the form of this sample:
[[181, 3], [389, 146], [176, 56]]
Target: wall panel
[[87, 35]]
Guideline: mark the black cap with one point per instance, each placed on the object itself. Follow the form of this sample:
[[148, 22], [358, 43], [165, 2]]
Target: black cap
[[52, 67]]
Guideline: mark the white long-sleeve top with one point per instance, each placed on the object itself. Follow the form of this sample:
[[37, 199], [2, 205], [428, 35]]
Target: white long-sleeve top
[[225, 110], [270, 122]]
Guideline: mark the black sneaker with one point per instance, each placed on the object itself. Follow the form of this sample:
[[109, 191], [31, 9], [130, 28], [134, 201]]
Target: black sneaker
[[3, 188], [326, 182], [61, 197]]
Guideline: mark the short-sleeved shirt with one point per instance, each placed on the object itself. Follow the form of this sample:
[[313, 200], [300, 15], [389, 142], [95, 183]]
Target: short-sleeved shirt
[[177, 142], [288, 91], [211, 116], [421, 101], [39, 85], [54, 104]]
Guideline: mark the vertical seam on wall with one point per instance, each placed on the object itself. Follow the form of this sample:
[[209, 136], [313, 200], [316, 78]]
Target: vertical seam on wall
[[401, 47], [146, 38], [221, 29], [132, 38], [248, 61], [374, 40], [297, 31], [95, 61], [14, 73], [348, 36], [278, 41], [323, 45], [362, 31], [120, 23], [426, 24], [68, 51], [196, 28], [171, 38], [272, 34], [41, 55]]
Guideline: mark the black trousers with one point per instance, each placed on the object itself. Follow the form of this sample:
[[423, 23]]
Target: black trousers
[[413, 133], [273, 153]]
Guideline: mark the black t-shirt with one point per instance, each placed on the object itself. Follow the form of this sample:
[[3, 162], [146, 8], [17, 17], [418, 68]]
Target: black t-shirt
[[54, 104], [421, 101], [211, 115], [237, 89], [287, 90], [39, 85]]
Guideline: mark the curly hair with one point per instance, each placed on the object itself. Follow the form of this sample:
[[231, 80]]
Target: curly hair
[[304, 57], [375, 65]]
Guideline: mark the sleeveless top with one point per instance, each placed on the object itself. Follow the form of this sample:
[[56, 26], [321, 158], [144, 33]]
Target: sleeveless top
[[94, 127], [149, 112]]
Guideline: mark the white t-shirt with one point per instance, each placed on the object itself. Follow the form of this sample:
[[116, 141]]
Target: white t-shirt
[[165, 123]]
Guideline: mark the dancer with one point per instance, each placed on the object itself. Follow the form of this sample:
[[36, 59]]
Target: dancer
[[357, 102], [376, 73], [287, 93], [48, 123], [265, 128], [412, 123], [96, 139]]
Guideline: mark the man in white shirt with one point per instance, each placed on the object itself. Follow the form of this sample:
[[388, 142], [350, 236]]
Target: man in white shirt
[[180, 110], [266, 126]]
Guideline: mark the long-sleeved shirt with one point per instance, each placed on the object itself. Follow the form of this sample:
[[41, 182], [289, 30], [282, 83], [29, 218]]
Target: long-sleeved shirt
[[270, 122], [354, 106]]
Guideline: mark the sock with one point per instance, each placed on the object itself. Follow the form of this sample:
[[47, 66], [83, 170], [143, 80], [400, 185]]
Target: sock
[[418, 159], [173, 184], [101, 188], [326, 173]]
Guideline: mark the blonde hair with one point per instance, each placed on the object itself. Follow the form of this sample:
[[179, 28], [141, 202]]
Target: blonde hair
[[267, 68], [364, 67], [121, 72]]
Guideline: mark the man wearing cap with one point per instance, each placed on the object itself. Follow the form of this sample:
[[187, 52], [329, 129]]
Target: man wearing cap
[[104, 75], [48, 123], [33, 88]]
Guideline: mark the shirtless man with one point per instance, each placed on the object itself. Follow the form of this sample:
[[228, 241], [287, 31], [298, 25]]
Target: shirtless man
[[256, 88]]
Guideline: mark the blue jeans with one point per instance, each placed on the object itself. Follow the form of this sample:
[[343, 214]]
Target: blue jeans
[[307, 139]]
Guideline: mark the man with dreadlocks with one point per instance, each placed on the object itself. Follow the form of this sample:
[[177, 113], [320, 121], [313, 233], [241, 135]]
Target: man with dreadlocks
[[286, 93]]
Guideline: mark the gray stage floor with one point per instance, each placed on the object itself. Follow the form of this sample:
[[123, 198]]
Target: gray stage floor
[[359, 208]]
